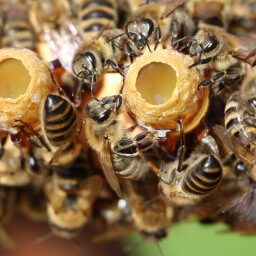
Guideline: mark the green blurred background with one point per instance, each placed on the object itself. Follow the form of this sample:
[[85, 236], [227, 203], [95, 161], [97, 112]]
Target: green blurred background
[[196, 240]]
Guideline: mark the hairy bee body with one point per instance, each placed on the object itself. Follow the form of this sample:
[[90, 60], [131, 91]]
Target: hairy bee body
[[17, 31], [240, 119], [200, 175], [213, 47], [199, 180], [150, 24], [93, 57], [60, 127], [130, 155], [239, 133], [236, 119], [59, 120], [93, 16], [101, 120]]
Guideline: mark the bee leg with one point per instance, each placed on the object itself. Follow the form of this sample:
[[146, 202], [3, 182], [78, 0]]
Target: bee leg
[[131, 129], [148, 46], [113, 65], [129, 51], [213, 79], [201, 61], [76, 94], [56, 84], [175, 43], [251, 54], [157, 37], [182, 148], [34, 133]]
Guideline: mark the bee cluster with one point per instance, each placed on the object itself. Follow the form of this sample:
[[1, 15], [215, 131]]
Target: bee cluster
[[82, 163]]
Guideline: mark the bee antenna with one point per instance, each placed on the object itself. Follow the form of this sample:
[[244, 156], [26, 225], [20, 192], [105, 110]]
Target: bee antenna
[[162, 253], [43, 238], [115, 37]]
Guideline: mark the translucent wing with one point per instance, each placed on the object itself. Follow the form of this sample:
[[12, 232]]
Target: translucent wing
[[64, 43], [108, 168], [235, 145]]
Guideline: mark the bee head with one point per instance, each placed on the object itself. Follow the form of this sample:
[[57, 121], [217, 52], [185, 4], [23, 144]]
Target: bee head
[[140, 31], [84, 67], [101, 110]]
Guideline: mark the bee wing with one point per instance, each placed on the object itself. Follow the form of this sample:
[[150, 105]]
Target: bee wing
[[108, 168], [64, 42], [235, 145]]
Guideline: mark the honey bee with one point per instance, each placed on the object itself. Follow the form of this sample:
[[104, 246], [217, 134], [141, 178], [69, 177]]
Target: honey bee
[[108, 49], [153, 22], [120, 153], [93, 16], [216, 49], [186, 182], [60, 126], [239, 132], [151, 216], [103, 129], [60, 129], [17, 31], [71, 194]]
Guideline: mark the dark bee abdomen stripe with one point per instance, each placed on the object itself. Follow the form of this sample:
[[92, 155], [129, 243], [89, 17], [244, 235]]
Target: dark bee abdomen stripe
[[204, 177], [97, 14], [97, 3], [59, 120], [94, 15]]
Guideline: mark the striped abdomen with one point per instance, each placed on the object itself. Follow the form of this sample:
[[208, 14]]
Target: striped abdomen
[[203, 177], [96, 14], [59, 120], [18, 34], [127, 162], [240, 119], [233, 121]]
